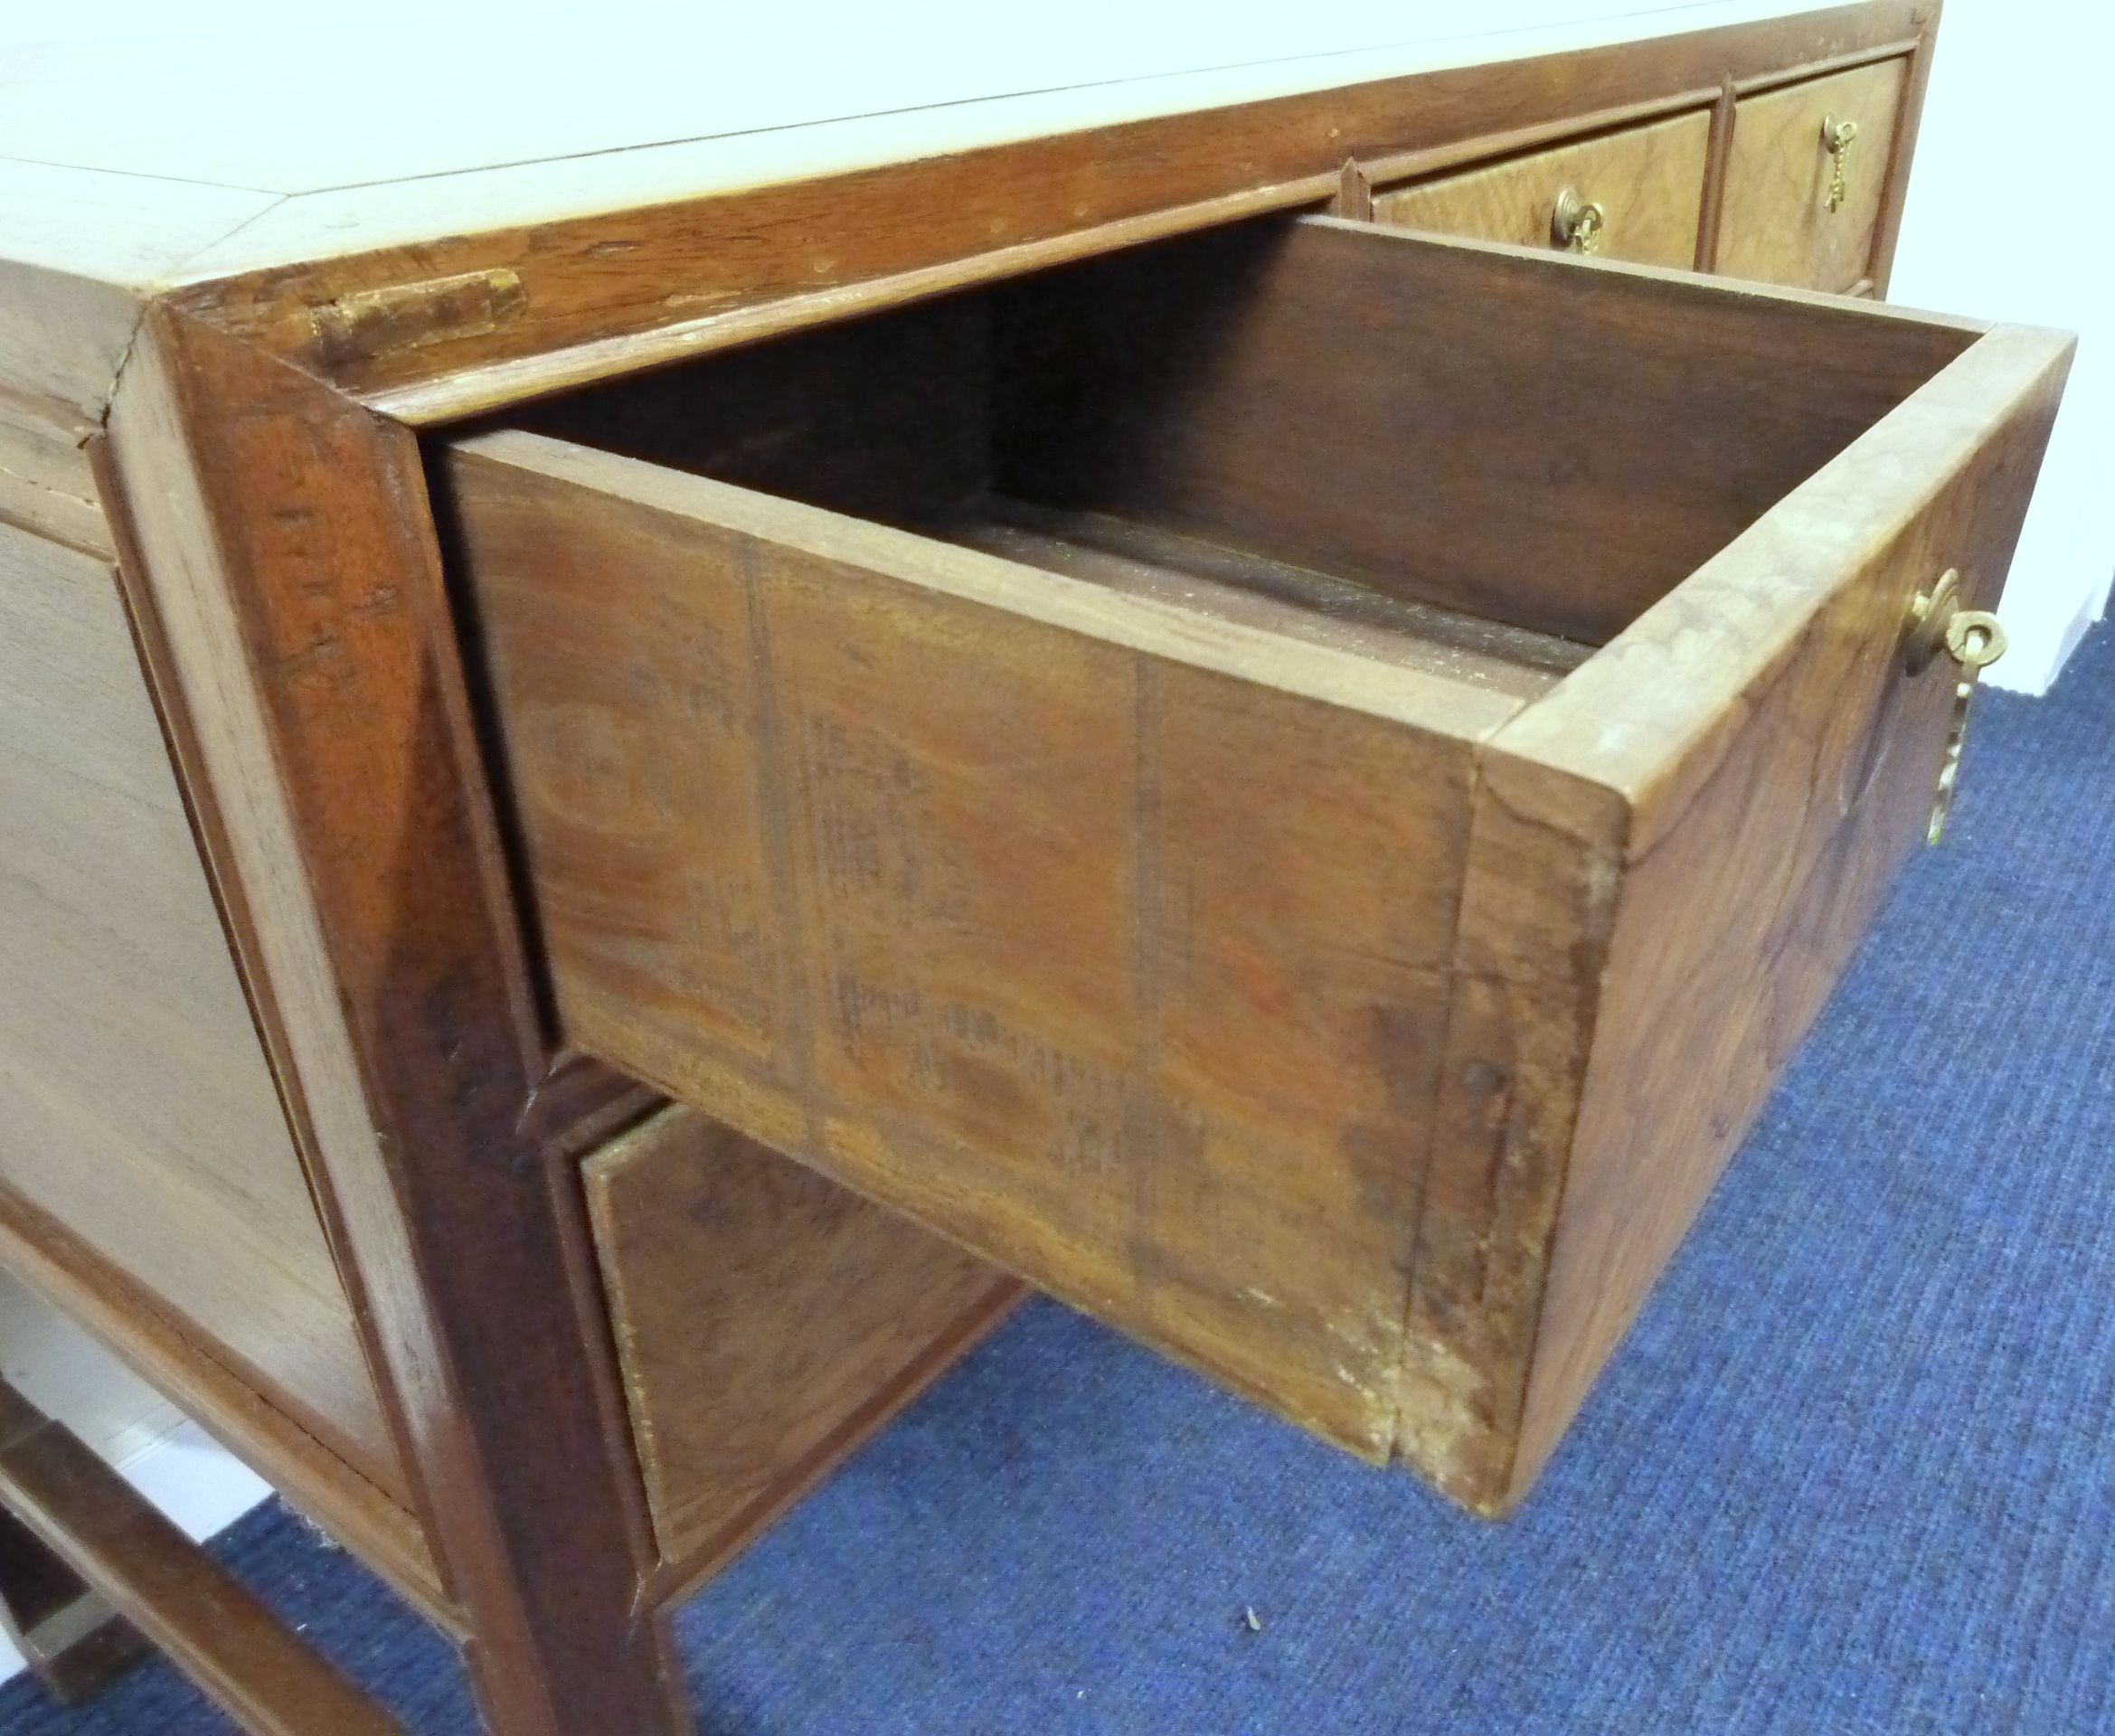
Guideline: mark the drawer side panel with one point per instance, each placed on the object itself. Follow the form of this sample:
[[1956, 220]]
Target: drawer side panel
[[1127, 972], [136, 1104]]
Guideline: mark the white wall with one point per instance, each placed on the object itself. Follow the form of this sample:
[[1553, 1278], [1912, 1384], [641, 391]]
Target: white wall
[[2012, 216]]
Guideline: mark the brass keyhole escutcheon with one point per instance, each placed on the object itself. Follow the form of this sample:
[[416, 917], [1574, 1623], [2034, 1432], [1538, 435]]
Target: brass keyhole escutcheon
[[1577, 222], [1837, 138], [1973, 638]]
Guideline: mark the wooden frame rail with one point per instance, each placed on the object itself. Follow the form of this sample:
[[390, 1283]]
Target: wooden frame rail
[[212, 1627]]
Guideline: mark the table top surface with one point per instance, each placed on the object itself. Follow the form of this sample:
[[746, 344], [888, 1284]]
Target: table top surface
[[245, 142]]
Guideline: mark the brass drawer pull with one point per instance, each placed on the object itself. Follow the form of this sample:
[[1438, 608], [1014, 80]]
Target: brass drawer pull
[[1577, 223], [1837, 138], [1973, 638]]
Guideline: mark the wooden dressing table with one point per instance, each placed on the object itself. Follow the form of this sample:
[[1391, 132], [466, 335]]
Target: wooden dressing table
[[534, 683]]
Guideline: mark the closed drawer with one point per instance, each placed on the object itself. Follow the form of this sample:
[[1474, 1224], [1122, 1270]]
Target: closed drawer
[[1802, 197], [767, 1321], [1295, 786], [1645, 184]]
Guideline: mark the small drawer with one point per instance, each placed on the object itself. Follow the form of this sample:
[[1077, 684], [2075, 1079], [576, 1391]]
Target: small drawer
[[767, 1321], [1802, 195], [1295, 786], [1644, 187]]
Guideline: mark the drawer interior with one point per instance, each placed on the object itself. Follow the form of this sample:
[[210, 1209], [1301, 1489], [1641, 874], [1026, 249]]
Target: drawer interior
[[1415, 454]]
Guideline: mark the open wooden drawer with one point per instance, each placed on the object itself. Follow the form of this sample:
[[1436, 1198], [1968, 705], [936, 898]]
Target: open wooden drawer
[[1295, 786]]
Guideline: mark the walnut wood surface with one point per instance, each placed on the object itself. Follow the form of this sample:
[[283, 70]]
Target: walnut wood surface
[[768, 1321], [1214, 1005], [136, 1104], [1776, 228], [1649, 180], [1675, 855], [1762, 836], [271, 1682], [1006, 989]]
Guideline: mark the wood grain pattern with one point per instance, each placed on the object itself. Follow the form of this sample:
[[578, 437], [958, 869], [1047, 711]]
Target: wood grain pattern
[[109, 1304], [388, 966], [1676, 853], [136, 1104], [1184, 983], [989, 893], [768, 1321], [825, 245], [1776, 228], [243, 1656], [1649, 180], [1763, 834], [46, 486], [1471, 425]]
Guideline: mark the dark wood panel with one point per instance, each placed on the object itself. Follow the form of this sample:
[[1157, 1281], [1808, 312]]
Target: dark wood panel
[[315, 650], [768, 1321], [886, 417]]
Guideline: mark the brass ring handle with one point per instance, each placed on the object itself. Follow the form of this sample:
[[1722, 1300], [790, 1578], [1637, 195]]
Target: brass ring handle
[[1837, 138], [1577, 222], [1975, 638]]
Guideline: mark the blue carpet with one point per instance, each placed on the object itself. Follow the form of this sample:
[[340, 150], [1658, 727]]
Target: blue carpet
[[1852, 1471]]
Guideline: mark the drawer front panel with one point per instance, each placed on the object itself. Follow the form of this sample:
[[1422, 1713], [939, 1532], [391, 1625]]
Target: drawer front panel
[[1127, 972], [1782, 761], [767, 1321], [1778, 225], [1647, 181]]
